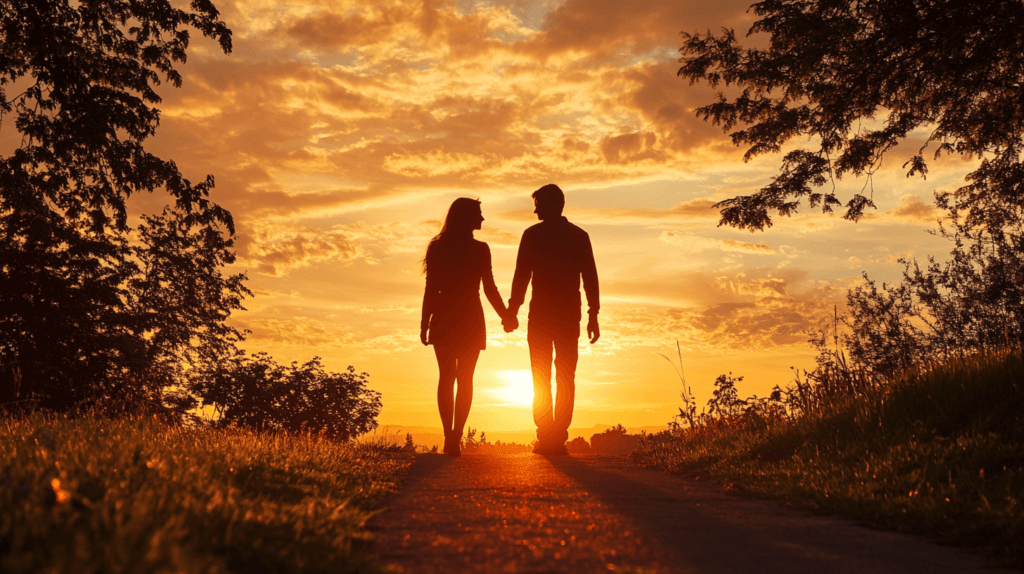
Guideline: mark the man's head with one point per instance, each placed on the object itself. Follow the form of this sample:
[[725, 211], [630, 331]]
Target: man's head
[[549, 201]]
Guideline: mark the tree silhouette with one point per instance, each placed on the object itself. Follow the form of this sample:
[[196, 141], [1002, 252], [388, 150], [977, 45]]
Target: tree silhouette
[[259, 393], [84, 315], [859, 77], [970, 303]]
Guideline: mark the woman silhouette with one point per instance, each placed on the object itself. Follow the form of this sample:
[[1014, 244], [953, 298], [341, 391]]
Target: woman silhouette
[[453, 319]]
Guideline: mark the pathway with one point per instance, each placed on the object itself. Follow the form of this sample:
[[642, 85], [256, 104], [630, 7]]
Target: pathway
[[529, 513]]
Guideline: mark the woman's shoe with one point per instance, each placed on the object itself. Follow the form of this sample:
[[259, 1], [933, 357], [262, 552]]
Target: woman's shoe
[[452, 444]]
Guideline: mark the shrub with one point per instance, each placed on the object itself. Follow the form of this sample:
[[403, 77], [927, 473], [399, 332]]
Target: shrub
[[614, 441], [258, 393]]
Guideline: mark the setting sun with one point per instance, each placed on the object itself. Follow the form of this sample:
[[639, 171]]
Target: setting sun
[[518, 387]]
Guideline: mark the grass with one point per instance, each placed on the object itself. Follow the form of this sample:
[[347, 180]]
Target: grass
[[938, 452], [95, 495]]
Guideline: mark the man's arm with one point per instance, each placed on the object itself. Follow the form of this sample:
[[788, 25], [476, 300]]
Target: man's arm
[[521, 278], [590, 287]]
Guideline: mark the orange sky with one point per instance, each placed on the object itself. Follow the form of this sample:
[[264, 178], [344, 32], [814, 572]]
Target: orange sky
[[339, 132]]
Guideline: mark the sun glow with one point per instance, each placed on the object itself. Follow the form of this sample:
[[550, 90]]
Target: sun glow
[[518, 387]]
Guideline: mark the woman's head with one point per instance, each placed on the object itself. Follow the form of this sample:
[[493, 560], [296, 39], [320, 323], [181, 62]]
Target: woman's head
[[463, 217]]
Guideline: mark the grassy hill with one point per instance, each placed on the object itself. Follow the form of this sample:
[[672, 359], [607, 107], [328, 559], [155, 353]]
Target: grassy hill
[[938, 451], [95, 495]]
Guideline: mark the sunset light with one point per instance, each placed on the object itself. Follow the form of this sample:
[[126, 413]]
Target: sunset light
[[518, 387], [340, 132], [403, 276]]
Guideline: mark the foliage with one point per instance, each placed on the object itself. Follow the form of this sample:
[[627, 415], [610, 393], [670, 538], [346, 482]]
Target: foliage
[[472, 445], [258, 393], [177, 300], [970, 303], [88, 316], [118, 337], [859, 77], [97, 495], [936, 451], [725, 410], [578, 445], [614, 441]]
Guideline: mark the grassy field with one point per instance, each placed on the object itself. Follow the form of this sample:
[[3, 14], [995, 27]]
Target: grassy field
[[94, 495], [938, 452]]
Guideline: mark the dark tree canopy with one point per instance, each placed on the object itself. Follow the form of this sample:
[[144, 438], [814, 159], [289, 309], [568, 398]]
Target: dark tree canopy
[[93, 313], [87, 315], [87, 75], [858, 77]]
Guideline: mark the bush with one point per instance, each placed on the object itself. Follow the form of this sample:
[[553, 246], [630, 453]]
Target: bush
[[614, 441], [578, 445], [258, 393]]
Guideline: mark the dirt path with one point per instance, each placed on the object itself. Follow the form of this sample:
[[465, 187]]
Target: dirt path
[[529, 513]]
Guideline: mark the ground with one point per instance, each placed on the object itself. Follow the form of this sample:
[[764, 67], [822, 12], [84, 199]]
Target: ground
[[529, 513]]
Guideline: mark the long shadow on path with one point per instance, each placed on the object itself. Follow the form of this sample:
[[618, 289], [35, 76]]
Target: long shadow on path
[[528, 513], [709, 529]]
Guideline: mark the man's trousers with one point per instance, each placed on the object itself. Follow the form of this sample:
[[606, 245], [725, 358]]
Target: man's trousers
[[558, 340]]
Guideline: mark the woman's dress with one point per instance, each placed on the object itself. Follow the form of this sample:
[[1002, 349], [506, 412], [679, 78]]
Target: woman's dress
[[451, 301]]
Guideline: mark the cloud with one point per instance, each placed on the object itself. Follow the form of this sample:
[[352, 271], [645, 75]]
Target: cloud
[[627, 29], [277, 249], [369, 25], [737, 313], [696, 243], [912, 208], [331, 105], [298, 332], [699, 207]]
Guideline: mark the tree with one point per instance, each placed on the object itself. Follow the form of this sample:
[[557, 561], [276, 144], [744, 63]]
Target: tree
[[971, 303], [858, 77], [78, 304], [258, 393], [176, 305]]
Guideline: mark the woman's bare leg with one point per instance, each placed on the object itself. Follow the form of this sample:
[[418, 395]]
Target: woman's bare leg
[[447, 372], [465, 367]]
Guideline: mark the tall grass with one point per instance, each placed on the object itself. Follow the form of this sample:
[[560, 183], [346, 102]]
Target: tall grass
[[95, 495], [937, 451]]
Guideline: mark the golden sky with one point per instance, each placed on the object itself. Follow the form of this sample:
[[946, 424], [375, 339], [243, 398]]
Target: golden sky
[[339, 132]]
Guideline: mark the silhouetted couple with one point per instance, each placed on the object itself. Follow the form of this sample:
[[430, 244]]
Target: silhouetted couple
[[555, 255]]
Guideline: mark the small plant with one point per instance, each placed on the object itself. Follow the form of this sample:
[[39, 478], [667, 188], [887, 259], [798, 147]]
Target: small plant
[[689, 410]]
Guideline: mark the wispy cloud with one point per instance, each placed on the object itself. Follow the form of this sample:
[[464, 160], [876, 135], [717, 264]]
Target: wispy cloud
[[696, 243]]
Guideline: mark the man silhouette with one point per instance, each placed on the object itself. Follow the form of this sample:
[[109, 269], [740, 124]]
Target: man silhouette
[[555, 255]]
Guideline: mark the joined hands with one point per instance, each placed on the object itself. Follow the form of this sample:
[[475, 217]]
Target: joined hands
[[510, 323]]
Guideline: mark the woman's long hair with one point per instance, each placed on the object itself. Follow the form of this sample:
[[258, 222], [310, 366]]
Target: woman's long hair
[[458, 223]]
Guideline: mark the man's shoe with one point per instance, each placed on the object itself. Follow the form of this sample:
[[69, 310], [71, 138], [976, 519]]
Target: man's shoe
[[550, 449]]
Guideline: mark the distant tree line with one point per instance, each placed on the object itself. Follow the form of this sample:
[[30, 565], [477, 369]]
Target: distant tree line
[[98, 313], [614, 441]]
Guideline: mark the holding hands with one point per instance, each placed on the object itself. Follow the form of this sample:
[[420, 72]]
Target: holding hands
[[510, 322]]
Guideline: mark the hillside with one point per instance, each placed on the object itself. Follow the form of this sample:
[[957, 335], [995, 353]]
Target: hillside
[[936, 451]]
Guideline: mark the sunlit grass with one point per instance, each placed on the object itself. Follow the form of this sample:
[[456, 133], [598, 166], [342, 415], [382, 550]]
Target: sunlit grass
[[95, 495], [938, 452]]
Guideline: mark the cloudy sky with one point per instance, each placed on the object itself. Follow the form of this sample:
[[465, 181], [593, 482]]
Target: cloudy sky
[[339, 132]]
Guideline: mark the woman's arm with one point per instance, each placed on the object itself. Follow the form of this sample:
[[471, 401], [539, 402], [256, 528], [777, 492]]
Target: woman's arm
[[429, 299], [490, 289]]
